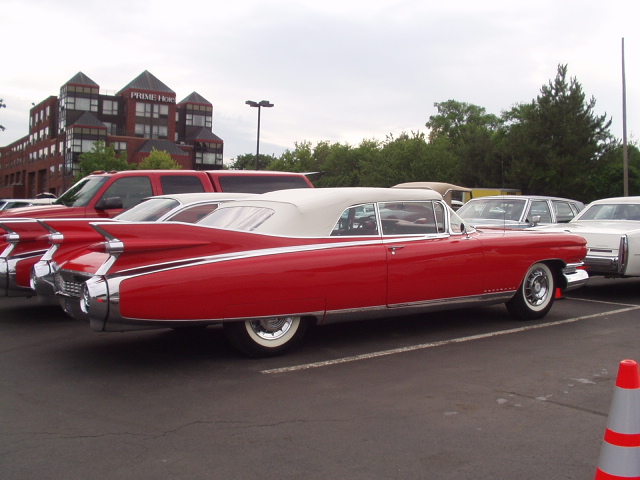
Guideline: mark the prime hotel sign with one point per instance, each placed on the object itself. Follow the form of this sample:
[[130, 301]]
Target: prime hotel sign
[[152, 97]]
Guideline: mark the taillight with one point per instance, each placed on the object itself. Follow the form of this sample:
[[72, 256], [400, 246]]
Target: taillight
[[623, 254], [55, 238], [111, 247]]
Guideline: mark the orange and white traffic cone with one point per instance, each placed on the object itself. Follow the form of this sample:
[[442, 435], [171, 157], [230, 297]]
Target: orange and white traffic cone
[[620, 454]]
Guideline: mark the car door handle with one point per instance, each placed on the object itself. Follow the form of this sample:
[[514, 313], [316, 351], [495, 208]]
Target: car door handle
[[394, 248]]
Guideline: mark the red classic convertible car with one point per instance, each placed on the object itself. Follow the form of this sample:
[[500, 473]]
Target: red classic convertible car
[[27, 240], [267, 267]]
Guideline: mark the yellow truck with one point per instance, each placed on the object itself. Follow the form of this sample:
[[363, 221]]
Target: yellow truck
[[487, 192], [456, 196]]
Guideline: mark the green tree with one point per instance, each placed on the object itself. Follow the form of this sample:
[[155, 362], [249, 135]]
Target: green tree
[[248, 162], [297, 160], [159, 160], [607, 179], [456, 119], [472, 135], [339, 165], [553, 143], [102, 157]]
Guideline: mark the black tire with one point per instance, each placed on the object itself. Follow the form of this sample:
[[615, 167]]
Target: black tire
[[267, 337], [536, 294]]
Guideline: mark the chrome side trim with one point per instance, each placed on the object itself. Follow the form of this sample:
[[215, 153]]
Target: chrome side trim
[[383, 311]]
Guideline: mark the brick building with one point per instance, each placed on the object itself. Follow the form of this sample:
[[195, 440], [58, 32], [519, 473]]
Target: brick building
[[142, 116]]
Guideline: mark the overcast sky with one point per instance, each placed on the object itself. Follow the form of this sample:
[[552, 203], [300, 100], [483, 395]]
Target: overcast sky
[[336, 70]]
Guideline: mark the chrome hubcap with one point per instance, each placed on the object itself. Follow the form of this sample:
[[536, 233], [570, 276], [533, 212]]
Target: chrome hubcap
[[537, 287], [272, 328]]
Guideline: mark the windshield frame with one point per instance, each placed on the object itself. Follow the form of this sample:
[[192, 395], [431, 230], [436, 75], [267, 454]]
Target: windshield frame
[[82, 192]]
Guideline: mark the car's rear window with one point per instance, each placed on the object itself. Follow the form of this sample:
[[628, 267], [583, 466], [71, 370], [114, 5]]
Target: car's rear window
[[192, 214], [260, 183], [611, 212], [149, 210], [238, 218]]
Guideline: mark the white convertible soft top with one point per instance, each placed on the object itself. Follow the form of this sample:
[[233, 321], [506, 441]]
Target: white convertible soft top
[[313, 212]]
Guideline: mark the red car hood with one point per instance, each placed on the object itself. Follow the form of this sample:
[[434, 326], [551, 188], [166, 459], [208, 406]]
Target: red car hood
[[43, 211]]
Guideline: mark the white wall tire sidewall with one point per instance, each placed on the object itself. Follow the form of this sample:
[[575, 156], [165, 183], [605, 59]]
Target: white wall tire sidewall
[[276, 342], [551, 287]]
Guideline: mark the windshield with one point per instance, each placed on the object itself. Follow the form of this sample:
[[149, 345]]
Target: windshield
[[80, 194], [624, 211], [494, 209], [238, 218], [149, 210]]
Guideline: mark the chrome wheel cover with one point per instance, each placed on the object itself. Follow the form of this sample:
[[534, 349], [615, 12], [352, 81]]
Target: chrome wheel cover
[[536, 287], [271, 329]]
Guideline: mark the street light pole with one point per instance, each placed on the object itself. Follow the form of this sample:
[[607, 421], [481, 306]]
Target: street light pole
[[259, 105]]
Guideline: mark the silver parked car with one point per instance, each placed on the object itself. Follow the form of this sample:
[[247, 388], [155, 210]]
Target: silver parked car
[[518, 211]]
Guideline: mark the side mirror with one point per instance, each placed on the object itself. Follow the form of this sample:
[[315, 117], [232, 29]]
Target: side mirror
[[535, 220], [110, 203]]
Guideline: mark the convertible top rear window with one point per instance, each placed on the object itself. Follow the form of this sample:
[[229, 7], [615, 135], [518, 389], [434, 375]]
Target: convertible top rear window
[[238, 218], [149, 210]]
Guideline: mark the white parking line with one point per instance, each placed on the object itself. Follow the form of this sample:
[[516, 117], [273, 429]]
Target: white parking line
[[423, 346]]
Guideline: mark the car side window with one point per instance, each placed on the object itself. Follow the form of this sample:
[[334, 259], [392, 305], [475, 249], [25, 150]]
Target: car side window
[[357, 220], [406, 218], [132, 190], [193, 213], [540, 208], [172, 184], [564, 212]]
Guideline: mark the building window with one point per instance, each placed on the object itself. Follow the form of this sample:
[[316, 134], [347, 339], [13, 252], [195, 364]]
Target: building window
[[210, 155], [112, 128], [159, 131], [143, 130], [82, 103], [144, 109], [110, 107], [119, 146], [198, 120]]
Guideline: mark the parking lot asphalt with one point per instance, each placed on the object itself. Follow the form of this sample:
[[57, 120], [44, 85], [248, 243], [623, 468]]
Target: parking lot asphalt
[[466, 394]]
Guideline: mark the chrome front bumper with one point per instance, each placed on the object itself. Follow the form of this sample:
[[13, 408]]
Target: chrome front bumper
[[574, 276]]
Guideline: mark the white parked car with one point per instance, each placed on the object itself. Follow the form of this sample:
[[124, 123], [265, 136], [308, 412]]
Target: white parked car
[[7, 203], [612, 229], [518, 211]]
